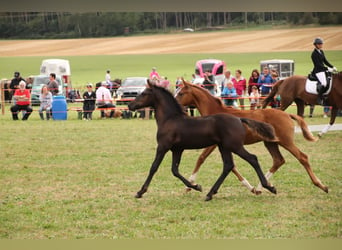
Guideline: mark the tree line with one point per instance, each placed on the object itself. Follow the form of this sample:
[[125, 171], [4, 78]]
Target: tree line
[[42, 25]]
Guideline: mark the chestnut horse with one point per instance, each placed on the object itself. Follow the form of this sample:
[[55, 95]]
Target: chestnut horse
[[292, 89], [177, 132], [191, 94]]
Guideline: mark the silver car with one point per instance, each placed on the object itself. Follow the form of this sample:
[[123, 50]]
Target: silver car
[[130, 88]]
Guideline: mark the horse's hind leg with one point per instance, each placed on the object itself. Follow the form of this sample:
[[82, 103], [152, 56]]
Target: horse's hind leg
[[304, 160], [278, 161], [253, 160], [300, 107], [285, 102]]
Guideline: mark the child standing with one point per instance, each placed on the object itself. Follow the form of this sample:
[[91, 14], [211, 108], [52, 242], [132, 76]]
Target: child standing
[[254, 97], [89, 102], [228, 94]]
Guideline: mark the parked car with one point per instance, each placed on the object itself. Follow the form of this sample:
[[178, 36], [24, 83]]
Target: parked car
[[217, 68], [130, 88]]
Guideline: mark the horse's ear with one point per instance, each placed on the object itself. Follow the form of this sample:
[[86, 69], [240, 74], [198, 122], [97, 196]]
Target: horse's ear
[[185, 82], [150, 83]]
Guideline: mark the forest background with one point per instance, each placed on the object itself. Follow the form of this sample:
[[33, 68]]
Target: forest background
[[42, 25]]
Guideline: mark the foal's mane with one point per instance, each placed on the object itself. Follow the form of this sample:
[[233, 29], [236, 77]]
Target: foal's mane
[[206, 92], [168, 96]]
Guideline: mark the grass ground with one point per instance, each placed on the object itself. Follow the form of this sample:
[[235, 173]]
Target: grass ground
[[77, 179]]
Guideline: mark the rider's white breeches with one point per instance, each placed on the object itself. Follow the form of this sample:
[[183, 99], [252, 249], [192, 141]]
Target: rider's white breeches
[[321, 77]]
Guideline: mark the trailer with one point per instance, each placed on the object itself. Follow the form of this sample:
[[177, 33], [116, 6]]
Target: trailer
[[284, 67]]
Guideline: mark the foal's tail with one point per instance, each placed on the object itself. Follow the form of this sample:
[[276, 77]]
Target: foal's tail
[[271, 95], [304, 127], [264, 130]]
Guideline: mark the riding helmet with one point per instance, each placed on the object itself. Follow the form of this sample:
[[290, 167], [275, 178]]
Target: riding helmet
[[318, 40]]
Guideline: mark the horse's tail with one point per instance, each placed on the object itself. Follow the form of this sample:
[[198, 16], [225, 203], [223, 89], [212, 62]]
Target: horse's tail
[[271, 95], [304, 127], [264, 130]]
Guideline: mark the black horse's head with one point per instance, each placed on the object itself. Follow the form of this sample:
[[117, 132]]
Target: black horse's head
[[145, 99]]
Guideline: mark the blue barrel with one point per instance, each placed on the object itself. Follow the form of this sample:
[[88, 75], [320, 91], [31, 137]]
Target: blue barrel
[[59, 108]]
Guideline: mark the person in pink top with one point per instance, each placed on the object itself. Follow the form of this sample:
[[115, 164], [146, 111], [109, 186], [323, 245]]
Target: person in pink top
[[154, 74], [240, 86], [164, 82], [22, 99]]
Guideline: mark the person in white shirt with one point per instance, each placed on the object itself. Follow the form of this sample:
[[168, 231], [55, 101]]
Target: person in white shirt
[[104, 100]]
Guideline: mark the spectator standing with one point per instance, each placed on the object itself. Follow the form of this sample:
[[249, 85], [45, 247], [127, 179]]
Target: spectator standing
[[22, 97], [253, 80], [209, 82], [45, 99], [229, 94], [265, 82], [14, 85], [240, 86], [53, 85], [89, 99], [104, 100]]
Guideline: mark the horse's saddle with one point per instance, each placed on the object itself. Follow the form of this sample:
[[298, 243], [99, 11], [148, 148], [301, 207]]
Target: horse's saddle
[[311, 85]]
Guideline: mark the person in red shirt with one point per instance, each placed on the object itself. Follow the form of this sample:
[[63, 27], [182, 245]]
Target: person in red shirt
[[240, 86], [22, 97]]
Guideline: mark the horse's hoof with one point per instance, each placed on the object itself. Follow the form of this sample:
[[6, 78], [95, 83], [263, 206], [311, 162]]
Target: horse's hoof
[[208, 198], [198, 188], [138, 195], [273, 190], [326, 189], [320, 134], [255, 191]]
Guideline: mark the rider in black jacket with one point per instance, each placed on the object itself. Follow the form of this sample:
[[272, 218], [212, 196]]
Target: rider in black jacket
[[319, 70]]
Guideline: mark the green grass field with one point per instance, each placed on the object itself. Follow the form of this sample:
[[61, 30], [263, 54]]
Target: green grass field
[[77, 179]]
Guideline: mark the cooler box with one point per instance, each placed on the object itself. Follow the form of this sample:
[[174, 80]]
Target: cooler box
[[59, 108]]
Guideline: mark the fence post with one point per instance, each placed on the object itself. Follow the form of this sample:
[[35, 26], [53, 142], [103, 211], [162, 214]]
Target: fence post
[[147, 113], [2, 95]]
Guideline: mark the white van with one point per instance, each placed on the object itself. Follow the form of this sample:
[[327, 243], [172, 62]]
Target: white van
[[58, 66]]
